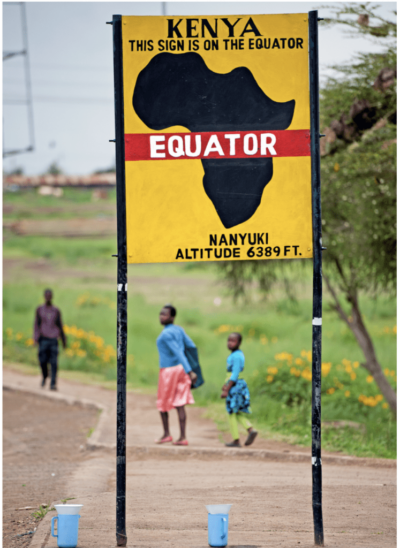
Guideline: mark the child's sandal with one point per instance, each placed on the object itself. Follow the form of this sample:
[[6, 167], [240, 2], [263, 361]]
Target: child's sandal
[[251, 437]]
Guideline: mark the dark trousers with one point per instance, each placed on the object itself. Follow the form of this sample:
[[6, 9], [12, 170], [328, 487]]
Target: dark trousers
[[48, 353]]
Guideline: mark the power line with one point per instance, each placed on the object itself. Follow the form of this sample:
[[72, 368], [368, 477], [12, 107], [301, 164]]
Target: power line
[[69, 67], [22, 101], [52, 82]]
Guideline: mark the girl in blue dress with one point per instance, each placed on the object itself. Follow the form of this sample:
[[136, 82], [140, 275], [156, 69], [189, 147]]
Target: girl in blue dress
[[237, 394]]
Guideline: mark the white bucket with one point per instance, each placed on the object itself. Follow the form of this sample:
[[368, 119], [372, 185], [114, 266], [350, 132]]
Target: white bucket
[[218, 508], [68, 509]]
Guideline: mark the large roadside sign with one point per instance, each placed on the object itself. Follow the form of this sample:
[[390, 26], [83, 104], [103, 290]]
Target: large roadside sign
[[217, 138], [217, 158]]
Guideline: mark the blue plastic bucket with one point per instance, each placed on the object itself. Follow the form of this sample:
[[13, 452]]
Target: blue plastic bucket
[[67, 530], [218, 529]]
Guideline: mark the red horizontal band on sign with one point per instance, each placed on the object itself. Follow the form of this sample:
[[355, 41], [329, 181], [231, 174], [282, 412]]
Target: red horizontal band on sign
[[217, 145]]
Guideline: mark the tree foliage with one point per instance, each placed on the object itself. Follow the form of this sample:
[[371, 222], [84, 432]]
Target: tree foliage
[[358, 168], [358, 182]]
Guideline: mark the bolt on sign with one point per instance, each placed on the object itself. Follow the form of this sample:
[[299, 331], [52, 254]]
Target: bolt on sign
[[217, 138]]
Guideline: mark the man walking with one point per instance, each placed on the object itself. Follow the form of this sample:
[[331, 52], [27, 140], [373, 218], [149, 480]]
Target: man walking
[[47, 330]]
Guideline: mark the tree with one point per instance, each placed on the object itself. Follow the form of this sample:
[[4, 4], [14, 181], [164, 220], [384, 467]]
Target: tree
[[54, 169], [358, 172], [358, 178]]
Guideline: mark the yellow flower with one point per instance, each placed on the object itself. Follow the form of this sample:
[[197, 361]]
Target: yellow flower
[[347, 393], [9, 332], [325, 368], [274, 340], [298, 361], [345, 361], [370, 378], [353, 376], [330, 390], [29, 342], [307, 374], [387, 330], [66, 329], [386, 371], [295, 372], [76, 344], [19, 336], [263, 339], [379, 398], [395, 329], [309, 356], [272, 370], [385, 405], [371, 401], [252, 332], [81, 353], [349, 369], [361, 397], [223, 328], [270, 378], [392, 373], [69, 352], [356, 364], [303, 353], [336, 167]]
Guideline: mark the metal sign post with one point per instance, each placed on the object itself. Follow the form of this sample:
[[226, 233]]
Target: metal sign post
[[122, 283], [317, 283]]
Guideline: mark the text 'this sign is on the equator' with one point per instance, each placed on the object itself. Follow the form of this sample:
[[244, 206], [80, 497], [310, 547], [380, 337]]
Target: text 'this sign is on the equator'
[[217, 138]]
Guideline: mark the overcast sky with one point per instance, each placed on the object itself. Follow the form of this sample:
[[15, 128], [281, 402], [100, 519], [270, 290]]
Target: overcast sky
[[70, 54]]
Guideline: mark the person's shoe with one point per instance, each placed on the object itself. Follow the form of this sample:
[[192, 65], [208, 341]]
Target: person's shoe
[[233, 444], [180, 442], [43, 383], [53, 387], [251, 437], [166, 439]]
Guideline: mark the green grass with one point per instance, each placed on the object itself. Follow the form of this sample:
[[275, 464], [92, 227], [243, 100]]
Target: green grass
[[85, 291], [29, 204], [286, 332]]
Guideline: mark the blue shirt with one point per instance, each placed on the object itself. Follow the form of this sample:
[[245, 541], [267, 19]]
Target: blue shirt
[[171, 345], [235, 364]]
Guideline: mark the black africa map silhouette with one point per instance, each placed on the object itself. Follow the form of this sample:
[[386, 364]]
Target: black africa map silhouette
[[180, 90]]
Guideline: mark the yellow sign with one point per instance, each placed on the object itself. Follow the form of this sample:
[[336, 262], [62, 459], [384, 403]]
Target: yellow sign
[[217, 138]]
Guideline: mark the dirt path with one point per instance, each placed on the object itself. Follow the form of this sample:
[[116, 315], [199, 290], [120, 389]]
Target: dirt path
[[43, 444], [141, 410], [167, 491]]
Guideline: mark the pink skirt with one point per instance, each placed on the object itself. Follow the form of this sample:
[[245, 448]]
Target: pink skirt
[[173, 388]]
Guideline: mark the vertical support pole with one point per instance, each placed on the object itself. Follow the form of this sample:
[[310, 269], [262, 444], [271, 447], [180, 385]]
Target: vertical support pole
[[122, 283], [28, 79], [317, 282]]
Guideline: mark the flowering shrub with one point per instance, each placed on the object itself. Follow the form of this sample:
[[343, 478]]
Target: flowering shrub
[[289, 381], [85, 350], [83, 344]]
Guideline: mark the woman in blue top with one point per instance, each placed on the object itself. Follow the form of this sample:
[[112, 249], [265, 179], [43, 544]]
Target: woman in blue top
[[176, 376], [237, 394]]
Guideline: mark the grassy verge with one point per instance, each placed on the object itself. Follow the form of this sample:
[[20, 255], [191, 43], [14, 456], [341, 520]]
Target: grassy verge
[[276, 336], [276, 345]]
